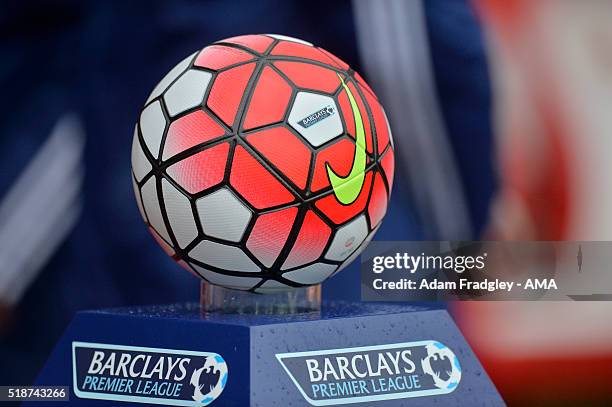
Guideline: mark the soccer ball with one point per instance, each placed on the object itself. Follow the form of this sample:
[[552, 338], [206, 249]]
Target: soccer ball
[[262, 163]]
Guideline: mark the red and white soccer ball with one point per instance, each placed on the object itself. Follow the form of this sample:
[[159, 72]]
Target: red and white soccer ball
[[262, 163]]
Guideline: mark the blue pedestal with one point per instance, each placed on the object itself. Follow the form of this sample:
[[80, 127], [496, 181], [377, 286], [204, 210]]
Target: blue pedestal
[[357, 354]]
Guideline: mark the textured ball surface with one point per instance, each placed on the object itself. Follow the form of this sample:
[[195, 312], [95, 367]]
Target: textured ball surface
[[262, 163]]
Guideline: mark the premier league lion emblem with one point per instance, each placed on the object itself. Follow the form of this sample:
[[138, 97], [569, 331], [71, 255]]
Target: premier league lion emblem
[[442, 365], [209, 380]]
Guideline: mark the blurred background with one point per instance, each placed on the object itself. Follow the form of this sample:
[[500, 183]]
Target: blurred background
[[502, 118]]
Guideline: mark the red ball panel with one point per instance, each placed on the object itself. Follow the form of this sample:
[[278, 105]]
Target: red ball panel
[[294, 49], [380, 123], [255, 183], [285, 151], [270, 233], [218, 56], [269, 101], [202, 170], [258, 43], [227, 92], [378, 201], [189, 131], [363, 83], [310, 242], [387, 162], [309, 76]]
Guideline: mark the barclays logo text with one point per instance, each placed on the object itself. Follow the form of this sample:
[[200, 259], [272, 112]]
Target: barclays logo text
[[373, 373], [317, 116], [147, 375]]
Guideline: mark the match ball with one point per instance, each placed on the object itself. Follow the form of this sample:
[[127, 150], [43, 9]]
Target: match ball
[[262, 163]]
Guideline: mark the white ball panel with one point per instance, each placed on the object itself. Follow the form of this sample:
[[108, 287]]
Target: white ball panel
[[170, 77], [140, 164], [321, 132], [187, 92], [179, 214], [347, 239], [223, 257], [239, 283], [152, 126], [357, 252], [223, 216], [152, 209], [313, 274]]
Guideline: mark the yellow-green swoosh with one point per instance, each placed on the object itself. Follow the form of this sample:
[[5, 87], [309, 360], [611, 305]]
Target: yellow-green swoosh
[[348, 188]]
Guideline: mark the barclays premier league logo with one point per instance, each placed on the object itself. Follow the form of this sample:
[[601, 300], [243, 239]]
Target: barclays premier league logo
[[316, 117], [373, 373], [147, 375]]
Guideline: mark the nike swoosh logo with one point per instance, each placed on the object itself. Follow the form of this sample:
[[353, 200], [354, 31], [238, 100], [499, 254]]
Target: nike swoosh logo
[[348, 188]]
